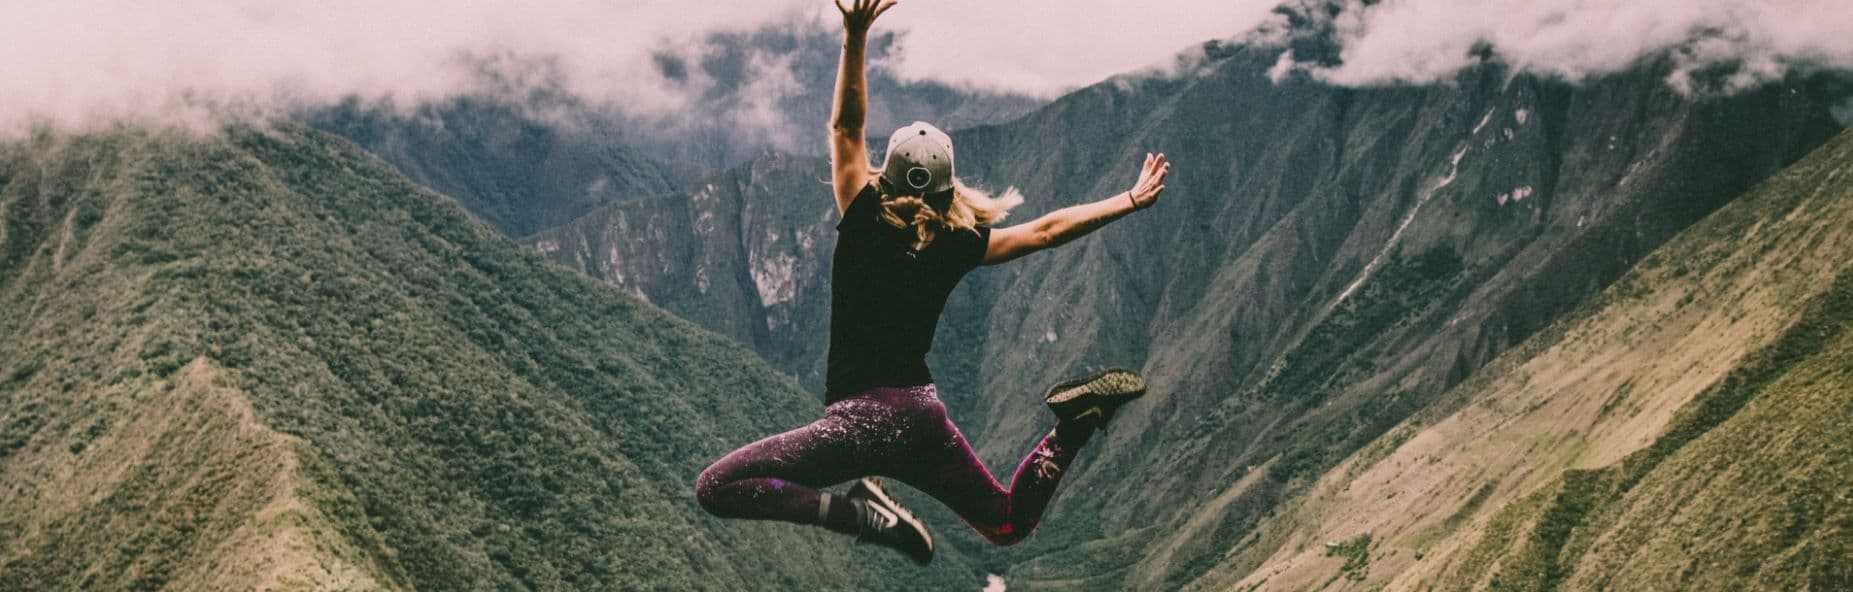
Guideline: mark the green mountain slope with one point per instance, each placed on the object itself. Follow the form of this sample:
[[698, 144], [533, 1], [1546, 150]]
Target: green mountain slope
[[264, 359], [1687, 429], [1328, 262]]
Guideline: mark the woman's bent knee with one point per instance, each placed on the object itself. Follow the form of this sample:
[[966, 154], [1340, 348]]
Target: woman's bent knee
[[708, 490], [1003, 535]]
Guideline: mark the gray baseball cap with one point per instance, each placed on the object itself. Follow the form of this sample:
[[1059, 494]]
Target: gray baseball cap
[[919, 160]]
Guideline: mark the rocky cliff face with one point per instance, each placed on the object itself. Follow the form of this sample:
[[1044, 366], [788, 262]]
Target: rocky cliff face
[[1327, 263], [746, 251]]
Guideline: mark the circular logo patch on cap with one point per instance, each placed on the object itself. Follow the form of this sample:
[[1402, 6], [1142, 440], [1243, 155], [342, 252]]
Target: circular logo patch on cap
[[919, 177]]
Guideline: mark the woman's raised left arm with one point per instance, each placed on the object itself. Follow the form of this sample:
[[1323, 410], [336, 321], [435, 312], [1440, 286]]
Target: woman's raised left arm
[[849, 158]]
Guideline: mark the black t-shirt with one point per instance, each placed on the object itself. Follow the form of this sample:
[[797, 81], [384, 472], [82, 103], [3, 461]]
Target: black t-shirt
[[885, 298]]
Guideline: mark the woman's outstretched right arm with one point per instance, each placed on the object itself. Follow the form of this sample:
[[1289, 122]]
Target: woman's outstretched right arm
[[849, 155], [1058, 227]]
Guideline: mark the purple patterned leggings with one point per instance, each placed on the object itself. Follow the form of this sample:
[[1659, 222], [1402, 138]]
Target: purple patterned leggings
[[897, 432]]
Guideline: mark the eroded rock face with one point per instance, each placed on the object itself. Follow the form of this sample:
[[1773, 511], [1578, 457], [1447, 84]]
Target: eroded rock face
[[745, 253]]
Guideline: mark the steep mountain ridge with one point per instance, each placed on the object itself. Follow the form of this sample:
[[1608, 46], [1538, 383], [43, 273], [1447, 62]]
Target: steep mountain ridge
[[1685, 429], [264, 357], [1327, 262]]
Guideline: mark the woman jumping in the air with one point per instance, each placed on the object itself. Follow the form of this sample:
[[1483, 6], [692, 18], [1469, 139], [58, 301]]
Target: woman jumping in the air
[[910, 230]]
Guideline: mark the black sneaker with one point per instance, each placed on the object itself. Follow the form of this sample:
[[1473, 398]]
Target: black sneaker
[[1096, 396], [885, 522]]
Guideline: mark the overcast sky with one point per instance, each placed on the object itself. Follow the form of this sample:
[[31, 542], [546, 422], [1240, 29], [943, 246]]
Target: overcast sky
[[83, 61], [76, 60]]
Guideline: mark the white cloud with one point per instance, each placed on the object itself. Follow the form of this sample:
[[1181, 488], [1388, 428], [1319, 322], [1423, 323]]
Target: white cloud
[[74, 62], [77, 62], [1755, 41], [1048, 46]]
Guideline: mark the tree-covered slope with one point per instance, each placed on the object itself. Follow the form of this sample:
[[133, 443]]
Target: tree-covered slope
[[1327, 262], [263, 359], [1686, 429]]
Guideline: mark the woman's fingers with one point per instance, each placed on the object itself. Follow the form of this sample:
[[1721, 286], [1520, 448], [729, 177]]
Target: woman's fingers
[[863, 12], [1151, 180]]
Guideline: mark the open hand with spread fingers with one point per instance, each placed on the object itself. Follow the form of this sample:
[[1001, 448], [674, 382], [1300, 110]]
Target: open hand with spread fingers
[[859, 14], [1151, 182]]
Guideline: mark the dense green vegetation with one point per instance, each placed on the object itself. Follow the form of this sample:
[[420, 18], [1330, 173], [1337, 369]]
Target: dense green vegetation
[[467, 416]]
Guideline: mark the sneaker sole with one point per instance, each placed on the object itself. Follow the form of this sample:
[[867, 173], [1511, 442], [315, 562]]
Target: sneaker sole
[[1114, 384], [880, 494]]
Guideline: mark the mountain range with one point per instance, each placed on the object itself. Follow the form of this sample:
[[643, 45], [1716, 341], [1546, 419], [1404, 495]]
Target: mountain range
[[1328, 264], [1505, 332]]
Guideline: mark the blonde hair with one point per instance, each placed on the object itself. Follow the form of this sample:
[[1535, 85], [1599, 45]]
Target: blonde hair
[[970, 207]]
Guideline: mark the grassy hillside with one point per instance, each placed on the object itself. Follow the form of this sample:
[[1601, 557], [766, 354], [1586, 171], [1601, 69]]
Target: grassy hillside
[[264, 359], [1686, 429]]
